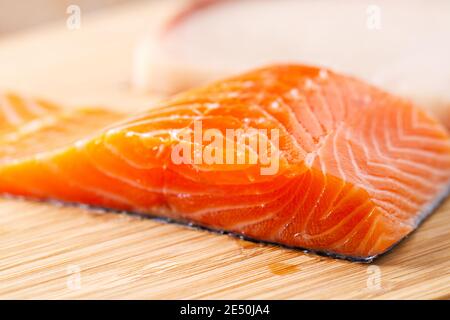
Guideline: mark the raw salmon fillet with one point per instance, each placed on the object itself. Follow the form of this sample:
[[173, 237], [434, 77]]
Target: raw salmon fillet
[[357, 168]]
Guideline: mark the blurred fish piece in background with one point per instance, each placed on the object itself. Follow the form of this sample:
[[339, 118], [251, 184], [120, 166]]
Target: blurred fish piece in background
[[398, 45]]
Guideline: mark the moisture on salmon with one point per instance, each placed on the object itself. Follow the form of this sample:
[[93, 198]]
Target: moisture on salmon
[[356, 168]]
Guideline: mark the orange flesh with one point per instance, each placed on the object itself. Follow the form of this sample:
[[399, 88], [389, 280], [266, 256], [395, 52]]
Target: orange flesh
[[358, 168]]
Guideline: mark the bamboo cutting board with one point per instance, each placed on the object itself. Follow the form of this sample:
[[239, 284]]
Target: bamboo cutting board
[[48, 251]]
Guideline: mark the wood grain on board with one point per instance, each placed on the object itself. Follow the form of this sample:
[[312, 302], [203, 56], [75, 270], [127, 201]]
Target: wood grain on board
[[49, 251]]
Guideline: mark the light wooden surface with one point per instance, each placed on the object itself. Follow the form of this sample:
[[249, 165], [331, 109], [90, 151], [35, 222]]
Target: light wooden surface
[[65, 252], [15, 15]]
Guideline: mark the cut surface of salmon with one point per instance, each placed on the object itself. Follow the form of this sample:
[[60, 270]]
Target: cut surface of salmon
[[357, 169]]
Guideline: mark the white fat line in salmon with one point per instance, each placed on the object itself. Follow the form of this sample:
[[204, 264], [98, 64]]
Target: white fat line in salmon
[[238, 146]]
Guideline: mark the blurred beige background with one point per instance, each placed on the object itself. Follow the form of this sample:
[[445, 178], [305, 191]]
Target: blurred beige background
[[16, 15]]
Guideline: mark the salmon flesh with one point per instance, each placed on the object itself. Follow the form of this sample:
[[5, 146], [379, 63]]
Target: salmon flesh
[[289, 154]]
